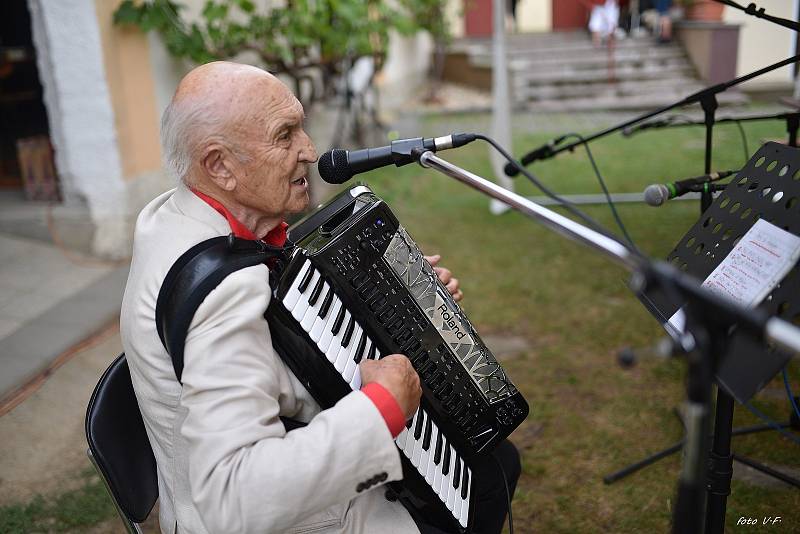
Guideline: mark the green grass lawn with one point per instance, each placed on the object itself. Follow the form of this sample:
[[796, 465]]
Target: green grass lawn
[[589, 417]]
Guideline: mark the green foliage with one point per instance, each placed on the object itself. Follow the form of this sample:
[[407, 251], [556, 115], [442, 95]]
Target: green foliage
[[302, 36]]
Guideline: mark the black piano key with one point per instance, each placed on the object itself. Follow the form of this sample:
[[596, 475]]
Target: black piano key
[[306, 279], [426, 438], [337, 324], [457, 473], [437, 451], [420, 422], [361, 346], [409, 422], [465, 484], [326, 304], [373, 352], [317, 290], [348, 332], [446, 458]]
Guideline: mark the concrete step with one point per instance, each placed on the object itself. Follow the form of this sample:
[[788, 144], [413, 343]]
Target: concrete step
[[570, 68], [637, 102], [569, 76], [623, 88], [587, 61]]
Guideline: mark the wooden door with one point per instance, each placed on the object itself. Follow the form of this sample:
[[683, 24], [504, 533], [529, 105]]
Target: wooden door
[[569, 14]]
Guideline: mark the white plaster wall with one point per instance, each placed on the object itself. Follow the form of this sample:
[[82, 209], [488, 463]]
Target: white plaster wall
[[69, 52], [454, 15], [762, 43], [407, 64], [534, 16]]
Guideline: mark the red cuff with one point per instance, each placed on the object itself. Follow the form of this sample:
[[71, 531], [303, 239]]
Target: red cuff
[[387, 405]]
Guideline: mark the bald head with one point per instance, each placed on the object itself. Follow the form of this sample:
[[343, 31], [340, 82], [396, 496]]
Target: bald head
[[216, 102]]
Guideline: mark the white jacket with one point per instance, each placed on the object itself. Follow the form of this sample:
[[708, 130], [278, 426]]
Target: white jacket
[[225, 462]]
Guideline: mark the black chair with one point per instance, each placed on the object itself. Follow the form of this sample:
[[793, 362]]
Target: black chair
[[118, 445]]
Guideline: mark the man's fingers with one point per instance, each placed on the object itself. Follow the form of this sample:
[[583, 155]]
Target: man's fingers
[[452, 286], [444, 274], [433, 260], [458, 295]]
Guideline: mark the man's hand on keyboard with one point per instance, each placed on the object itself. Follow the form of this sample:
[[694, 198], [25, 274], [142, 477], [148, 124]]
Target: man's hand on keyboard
[[395, 373], [446, 277]]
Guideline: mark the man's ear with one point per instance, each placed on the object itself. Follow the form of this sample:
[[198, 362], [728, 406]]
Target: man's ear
[[216, 163]]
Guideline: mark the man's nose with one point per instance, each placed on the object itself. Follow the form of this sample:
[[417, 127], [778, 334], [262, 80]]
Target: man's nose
[[308, 153]]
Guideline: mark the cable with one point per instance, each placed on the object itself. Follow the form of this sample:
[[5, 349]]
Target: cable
[[508, 494], [604, 188], [775, 426], [569, 206], [789, 392], [744, 141]]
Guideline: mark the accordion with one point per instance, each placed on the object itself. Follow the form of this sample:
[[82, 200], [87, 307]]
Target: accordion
[[357, 287]]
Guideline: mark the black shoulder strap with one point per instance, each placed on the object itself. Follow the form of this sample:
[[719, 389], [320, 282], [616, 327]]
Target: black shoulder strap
[[193, 276]]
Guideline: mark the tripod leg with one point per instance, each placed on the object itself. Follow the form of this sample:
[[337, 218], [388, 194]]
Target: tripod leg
[[625, 471], [767, 470], [720, 465]]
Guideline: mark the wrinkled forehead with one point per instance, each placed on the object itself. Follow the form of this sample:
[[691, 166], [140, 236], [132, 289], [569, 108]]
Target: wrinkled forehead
[[266, 105]]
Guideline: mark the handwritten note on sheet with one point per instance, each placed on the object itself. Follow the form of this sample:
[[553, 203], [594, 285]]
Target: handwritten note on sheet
[[757, 263]]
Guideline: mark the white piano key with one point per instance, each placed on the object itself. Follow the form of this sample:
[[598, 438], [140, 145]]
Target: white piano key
[[311, 315], [327, 335], [437, 478], [355, 382], [400, 440], [315, 333], [422, 463], [431, 472], [410, 441], [464, 516], [300, 309], [457, 501], [349, 368], [342, 357], [417, 452], [367, 349], [451, 491], [293, 293]]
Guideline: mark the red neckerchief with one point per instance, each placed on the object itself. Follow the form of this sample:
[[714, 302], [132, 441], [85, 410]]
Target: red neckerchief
[[275, 237]]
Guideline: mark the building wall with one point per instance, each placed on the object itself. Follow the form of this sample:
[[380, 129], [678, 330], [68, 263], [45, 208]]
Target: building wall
[[81, 114], [532, 15], [535, 15], [762, 43]]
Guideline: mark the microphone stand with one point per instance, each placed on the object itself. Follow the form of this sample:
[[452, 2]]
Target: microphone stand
[[792, 123], [705, 97], [757, 12], [709, 318]]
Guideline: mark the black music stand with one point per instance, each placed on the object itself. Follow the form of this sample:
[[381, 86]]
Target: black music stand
[[767, 187]]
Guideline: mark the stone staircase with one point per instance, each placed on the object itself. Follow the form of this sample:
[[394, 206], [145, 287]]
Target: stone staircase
[[563, 71]]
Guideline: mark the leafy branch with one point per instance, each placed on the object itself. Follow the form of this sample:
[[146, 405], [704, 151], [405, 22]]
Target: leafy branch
[[303, 37]]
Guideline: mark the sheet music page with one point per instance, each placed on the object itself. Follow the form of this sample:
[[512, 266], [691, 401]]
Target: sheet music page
[[757, 263]]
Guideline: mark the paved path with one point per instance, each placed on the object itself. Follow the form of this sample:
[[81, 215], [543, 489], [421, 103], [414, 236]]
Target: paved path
[[49, 302], [44, 449]]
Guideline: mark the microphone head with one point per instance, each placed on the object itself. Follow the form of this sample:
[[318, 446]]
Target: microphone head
[[656, 194], [333, 167]]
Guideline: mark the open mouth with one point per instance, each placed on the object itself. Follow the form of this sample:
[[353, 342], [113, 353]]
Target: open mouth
[[299, 181]]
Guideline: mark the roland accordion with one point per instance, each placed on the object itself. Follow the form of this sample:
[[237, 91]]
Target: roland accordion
[[356, 287]]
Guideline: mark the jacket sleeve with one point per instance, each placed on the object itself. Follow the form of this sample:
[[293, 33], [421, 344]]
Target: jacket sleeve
[[246, 473]]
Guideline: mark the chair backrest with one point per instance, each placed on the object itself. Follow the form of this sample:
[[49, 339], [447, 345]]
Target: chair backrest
[[119, 445]]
